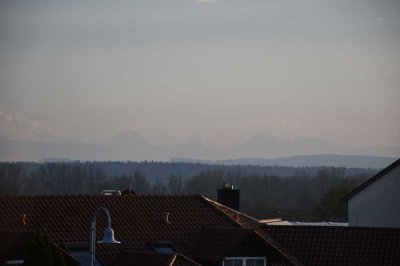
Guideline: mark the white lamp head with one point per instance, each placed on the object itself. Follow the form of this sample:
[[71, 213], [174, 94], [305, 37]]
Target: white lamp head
[[109, 237]]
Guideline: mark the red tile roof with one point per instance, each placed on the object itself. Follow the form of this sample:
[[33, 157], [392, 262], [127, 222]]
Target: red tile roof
[[153, 259], [14, 245], [324, 245], [250, 223], [223, 240], [136, 220]]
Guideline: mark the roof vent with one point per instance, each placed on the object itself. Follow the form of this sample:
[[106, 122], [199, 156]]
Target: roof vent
[[111, 192], [23, 218], [166, 218]]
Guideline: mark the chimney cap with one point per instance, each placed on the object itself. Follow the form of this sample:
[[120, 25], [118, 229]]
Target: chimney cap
[[226, 185]]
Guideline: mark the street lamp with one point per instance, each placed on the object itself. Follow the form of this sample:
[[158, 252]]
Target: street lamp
[[108, 234]]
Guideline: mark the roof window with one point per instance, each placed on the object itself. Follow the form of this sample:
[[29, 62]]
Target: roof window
[[163, 247]]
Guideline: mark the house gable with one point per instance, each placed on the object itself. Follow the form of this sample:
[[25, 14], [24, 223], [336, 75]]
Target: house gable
[[370, 181], [376, 203]]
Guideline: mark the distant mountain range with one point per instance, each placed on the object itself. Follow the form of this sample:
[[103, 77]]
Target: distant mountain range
[[133, 146], [124, 146]]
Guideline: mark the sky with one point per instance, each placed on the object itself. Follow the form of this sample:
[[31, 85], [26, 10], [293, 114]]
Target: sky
[[217, 71]]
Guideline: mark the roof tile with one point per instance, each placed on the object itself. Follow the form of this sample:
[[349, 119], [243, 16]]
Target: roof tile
[[324, 245], [136, 220]]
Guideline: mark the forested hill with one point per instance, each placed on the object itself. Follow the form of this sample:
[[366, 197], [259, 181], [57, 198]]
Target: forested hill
[[162, 170], [305, 193], [332, 160]]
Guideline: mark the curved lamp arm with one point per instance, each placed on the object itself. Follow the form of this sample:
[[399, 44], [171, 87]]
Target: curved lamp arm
[[106, 212], [108, 234]]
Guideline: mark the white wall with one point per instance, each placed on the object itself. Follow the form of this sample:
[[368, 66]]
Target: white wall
[[377, 205]]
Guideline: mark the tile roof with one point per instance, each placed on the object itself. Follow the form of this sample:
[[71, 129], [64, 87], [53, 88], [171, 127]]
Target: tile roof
[[324, 245], [372, 180], [136, 220], [223, 240], [253, 224], [153, 259], [215, 243], [14, 245]]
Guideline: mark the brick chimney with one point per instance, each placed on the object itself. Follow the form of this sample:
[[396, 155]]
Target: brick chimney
[[228, 196]]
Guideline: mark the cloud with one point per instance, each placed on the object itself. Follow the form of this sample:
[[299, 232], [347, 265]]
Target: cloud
[[21, 128]]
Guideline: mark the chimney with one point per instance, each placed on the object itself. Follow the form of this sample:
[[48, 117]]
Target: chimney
[[228, 196]]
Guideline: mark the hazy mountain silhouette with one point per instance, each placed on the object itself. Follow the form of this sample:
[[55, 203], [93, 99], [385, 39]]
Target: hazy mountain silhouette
[[133, 146], [132, 139], [15, 150], [265, 146], [128, 145]]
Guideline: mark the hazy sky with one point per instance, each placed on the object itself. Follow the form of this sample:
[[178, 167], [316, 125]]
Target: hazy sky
[[219, 71]]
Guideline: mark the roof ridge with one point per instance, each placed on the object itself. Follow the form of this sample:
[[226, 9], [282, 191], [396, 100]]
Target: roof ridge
[[209, 202], [255, 230], [98, 195], [230, 209], [344, 228]]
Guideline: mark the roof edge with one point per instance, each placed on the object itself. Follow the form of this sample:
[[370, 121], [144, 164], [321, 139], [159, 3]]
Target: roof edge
[[238, 212], [270, 241], [371, 180]]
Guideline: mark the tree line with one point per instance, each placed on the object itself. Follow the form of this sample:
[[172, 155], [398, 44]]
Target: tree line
[[300, 196]]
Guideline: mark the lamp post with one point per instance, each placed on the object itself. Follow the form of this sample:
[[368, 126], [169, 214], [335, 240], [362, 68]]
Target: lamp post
[[108, 234]]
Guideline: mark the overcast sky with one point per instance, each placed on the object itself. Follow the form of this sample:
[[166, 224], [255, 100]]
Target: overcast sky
[[218, 71]]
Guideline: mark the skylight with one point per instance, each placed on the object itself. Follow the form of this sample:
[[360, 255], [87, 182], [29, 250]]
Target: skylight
[[163, 247]]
